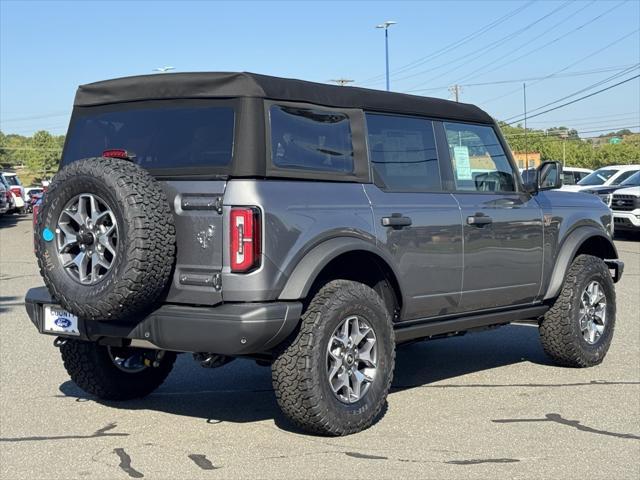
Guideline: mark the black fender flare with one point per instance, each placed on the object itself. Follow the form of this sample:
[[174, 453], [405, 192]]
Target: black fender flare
[[309, 267], [567, 253]]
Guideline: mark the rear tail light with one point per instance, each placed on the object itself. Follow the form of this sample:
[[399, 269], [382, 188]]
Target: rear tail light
[[16, 191], [245, 239]]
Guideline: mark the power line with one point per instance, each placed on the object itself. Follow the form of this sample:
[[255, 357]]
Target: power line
[[499, 44], [21, 131], [592, 54], [578, 99], [561, 133], [452, 46], [34, 117], [520, 80], [486, 48], [622, 114], [594, 85], [536, 49], [588, 124], [57, 149]]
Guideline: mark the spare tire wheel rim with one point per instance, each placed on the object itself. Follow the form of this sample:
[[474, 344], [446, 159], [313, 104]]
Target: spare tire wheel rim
[[352, 359], [593, 312], [87, 238]]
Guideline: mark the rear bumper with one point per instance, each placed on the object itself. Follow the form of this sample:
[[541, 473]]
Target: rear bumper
[[226, 329]]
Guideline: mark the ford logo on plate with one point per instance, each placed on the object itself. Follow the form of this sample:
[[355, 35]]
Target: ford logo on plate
[[62, 322]]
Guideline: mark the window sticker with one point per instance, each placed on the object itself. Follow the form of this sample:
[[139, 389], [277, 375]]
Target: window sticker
[[463, 166]]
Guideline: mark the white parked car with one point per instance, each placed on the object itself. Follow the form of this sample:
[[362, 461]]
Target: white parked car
[[572, 175], [603, 177], [17, 190], [625, 204], [30, 191]]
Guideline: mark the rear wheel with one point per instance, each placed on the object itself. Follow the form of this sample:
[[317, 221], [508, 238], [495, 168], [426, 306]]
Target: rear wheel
[[578, 329], [115, 373], [334, 376]]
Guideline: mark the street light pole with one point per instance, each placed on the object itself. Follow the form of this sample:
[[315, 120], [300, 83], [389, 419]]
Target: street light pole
[[386, 54], [386, 26]]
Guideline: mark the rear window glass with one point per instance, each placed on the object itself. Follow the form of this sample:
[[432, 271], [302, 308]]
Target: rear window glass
[[12, 180], [160, 138], [310, 139]]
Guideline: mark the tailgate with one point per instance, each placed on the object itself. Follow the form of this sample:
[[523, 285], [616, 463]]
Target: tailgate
[[197, 210]]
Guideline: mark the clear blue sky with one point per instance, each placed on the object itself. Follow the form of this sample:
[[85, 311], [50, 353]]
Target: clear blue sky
[[48, 48]]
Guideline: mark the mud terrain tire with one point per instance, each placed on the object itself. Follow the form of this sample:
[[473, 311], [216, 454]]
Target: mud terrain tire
[[144, 255]]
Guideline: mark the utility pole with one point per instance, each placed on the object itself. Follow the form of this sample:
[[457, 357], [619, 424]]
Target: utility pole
[[342, 81], [456, 90], [526, 142]]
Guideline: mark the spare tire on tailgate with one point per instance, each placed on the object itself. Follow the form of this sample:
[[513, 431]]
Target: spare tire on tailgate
[[105, 239]]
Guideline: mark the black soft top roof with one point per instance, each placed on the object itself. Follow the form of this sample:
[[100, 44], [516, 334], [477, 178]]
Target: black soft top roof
[[231, 85]]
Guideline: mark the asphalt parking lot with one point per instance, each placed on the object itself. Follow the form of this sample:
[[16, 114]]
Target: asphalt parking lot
[[484, 405]]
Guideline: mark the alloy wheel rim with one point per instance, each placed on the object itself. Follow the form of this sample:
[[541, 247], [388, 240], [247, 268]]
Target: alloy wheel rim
[[352, 355], [593, 312], [87, 238]]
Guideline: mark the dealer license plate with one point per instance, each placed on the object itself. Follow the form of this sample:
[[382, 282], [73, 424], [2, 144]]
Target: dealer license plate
[[58, 320]]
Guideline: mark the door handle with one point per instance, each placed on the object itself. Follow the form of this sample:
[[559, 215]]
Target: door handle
[[479, 220], [396, 220]]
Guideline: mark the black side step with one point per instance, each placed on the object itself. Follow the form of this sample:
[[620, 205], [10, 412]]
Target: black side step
[[429, 327]]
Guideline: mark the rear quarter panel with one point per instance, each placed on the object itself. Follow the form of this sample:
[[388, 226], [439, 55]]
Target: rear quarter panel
[[296, 216]]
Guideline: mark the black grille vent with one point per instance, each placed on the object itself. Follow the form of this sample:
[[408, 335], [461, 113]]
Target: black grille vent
[[624, 203]]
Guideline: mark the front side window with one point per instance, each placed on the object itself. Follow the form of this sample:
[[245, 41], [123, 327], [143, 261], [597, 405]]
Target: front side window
[[160, 137], [403, 154], [479, 161], [310, 139]]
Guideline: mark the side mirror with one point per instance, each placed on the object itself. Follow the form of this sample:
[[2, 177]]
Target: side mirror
[[548, 176]]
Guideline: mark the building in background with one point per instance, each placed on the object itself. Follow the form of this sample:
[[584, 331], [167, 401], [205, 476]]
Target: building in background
[[521, 159]]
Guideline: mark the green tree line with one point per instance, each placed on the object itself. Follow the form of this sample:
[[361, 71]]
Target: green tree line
[[554, 143], [40, 153]]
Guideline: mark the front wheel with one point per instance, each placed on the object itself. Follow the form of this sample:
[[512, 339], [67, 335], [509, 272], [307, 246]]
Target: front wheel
[[115, 373], [334, 376], [578, 329]]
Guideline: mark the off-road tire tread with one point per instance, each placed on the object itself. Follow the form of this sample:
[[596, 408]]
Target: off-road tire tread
[[297, 391], [557, 332], [90, 368], [150, 239]]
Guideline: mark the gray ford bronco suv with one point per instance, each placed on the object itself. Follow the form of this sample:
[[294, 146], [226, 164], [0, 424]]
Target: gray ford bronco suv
[[309, 227]]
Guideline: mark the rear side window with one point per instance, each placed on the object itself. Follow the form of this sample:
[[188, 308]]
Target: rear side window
[[402, 152], [159, 137], [310, 139], [479, 161]]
